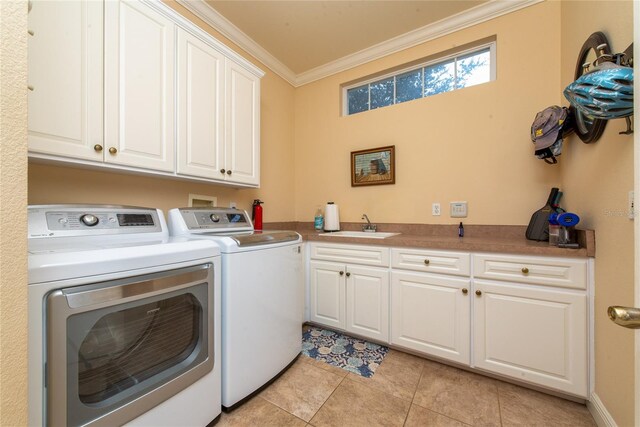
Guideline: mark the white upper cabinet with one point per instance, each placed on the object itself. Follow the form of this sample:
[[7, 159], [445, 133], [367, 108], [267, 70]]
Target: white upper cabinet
[[200, 108], [65, 79], [242, 157], [218, 115], [139, 86], [173, 100]]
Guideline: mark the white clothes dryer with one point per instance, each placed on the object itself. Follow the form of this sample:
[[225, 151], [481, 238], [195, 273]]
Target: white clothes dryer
[[124, 321]]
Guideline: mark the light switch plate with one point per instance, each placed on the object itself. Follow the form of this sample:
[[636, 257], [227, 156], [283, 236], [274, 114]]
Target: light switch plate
[[435, 209], [458, 209]]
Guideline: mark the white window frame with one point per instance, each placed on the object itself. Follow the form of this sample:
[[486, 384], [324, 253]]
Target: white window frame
[[492, 74]]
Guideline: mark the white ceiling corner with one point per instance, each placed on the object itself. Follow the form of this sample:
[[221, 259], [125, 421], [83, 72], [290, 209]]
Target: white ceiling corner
[[481, 13]]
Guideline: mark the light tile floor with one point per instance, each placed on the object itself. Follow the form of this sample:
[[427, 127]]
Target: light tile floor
[[405, 391]]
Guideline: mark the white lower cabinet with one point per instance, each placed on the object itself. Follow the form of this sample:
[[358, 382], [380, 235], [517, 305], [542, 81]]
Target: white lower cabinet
[[368, 302], [327, 289], [351, 298], [431, 314], [522, 317], [532, 334]]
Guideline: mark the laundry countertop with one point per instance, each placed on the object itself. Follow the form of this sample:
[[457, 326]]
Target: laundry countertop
[[478, 238]]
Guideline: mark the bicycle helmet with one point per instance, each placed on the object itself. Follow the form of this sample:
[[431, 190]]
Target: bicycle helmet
[[605, 93]]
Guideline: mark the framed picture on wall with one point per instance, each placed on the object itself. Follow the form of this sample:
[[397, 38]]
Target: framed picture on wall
[[375, 166]]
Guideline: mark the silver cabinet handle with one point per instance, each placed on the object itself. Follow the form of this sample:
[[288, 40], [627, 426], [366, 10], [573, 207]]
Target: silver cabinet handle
[[629, 317]]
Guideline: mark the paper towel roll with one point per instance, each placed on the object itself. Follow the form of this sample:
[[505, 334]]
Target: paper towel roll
[[331, 217]]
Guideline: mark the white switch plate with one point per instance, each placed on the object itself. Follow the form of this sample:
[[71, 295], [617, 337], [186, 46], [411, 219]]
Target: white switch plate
[[632, 209], [458, 209], [435, 209], [233, 205]]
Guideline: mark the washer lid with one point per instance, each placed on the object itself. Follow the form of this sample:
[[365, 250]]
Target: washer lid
[[264, 237]]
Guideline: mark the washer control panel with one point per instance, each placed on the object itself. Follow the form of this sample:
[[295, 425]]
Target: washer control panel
[[216, 219]]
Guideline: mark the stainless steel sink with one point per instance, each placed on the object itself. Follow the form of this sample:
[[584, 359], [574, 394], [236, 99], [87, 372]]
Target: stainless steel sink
[[364, 234]]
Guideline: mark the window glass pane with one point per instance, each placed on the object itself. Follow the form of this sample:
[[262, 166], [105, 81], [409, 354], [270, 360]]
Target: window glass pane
[[439, 78], [381, 93], [409, 86], [473, 69], [358, 99]]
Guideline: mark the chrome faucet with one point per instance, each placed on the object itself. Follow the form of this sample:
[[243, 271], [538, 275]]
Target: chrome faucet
[[368, 226]]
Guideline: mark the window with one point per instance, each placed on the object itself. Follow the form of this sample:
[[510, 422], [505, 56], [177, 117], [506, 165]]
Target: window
[[445, 74]]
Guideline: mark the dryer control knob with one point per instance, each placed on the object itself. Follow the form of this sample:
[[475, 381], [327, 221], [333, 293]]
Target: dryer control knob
[[89, 220], [214, 217]]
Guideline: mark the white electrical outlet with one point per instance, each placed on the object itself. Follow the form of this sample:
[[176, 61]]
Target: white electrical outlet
[[233, 205], [632, 209], [458, 209], [435, 209]]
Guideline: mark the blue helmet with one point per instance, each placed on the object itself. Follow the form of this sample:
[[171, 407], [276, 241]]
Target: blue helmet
[[604, 93]]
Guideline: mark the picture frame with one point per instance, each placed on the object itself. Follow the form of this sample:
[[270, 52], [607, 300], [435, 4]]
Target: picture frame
[[375, 166]]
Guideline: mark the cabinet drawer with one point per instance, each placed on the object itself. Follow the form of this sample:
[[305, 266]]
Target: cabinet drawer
[[562, 272], [445, 262], [354, 254]]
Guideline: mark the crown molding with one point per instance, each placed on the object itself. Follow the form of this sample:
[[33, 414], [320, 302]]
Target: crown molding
[[221, 24], [481, 13]]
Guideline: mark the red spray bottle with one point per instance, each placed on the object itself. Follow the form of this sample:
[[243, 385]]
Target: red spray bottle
[[256, 215]]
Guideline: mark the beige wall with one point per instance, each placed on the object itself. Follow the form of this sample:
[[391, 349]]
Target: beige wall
[[472, 144], [13, 200], [596, 179], [53, 184]]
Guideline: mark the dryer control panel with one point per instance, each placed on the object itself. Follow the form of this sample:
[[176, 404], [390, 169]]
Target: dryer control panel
[[72, 220]]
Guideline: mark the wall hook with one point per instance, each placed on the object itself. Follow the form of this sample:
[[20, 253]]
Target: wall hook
[[629, 130]]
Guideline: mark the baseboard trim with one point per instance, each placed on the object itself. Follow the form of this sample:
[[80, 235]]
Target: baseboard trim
[[599, 412]]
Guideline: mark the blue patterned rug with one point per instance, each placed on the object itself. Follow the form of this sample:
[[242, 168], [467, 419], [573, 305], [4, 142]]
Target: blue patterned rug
[[353, 354]]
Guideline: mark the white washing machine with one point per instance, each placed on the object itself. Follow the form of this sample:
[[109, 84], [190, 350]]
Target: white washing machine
[[124, 321], [262, 296]]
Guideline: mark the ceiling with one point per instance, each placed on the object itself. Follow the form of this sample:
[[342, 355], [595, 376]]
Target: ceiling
[[306, 40], [308, 34]]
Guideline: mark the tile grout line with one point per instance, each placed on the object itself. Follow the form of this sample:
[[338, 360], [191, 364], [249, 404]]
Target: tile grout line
[[284, 410], [327, 399], [414, 395], [499, 403], [433, 410]]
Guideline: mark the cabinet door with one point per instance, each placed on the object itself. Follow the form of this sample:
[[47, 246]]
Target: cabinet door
[[368, 302], [65, 79], [242, 152], [327, 299], [431, 314], [535, 335], [200, 147], [139, 86]]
